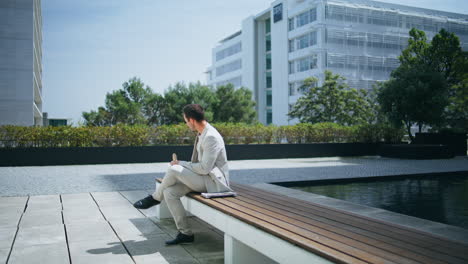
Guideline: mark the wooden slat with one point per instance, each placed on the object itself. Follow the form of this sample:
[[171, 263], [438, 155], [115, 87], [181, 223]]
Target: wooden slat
[[341, 241], [399, 232], [261, 219], [307, 244], [338, 235], [386, 243]]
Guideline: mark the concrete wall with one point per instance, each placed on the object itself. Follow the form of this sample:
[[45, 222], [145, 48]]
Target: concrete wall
[[279, 67], [16, 62]]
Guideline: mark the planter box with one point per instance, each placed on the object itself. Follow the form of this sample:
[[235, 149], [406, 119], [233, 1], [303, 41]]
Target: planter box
[[416, 151], [456, 142], [110, 155]]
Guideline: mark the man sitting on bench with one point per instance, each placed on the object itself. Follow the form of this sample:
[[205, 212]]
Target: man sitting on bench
[[207, 172]]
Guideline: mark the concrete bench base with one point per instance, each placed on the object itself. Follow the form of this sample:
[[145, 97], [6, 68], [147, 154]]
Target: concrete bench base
[[244, 243]]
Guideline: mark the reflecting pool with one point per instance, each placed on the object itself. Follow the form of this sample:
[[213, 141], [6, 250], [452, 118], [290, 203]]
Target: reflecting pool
[[441, 198]]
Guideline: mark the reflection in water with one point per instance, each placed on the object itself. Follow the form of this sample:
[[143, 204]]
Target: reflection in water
[[437, 198]]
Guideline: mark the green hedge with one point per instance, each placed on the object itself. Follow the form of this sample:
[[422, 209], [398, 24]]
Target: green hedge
[[233, 133]]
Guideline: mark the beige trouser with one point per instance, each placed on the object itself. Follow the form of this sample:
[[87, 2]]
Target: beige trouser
[[177, 182]]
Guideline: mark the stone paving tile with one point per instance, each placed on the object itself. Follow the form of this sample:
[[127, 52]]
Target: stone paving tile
[[121, 212], [203, 223], [36, 235], [79, 215], [208, 244], [90, 232], [169, 227], [49, 253], [77, 200], [154, 250], [10, 217], [108, 198], [16, 202], [41, 217], [44, 202], [134, 196], [99, 251], [212, 260], [6, 237], [4, 254], [128, 229]]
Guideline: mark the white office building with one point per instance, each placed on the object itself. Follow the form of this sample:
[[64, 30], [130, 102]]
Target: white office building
[[20, 62], [294, 39]]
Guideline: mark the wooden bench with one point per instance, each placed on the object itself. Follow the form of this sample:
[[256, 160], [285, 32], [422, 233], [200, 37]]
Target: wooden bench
[[259, 223]]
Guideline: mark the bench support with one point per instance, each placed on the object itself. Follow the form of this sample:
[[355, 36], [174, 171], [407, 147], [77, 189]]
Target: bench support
[[235, 252], [162, 211], [249, 238]]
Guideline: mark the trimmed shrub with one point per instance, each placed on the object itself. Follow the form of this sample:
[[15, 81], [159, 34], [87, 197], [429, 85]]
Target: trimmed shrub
[[180, 134]]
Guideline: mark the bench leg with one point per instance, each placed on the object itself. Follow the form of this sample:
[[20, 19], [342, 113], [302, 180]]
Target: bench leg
[[235, 252], [163, 212]]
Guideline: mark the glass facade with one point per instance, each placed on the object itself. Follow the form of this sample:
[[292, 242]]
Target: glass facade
[[268, 61], [269, 97], [268, 43], [306, 17], [307, 63], [269, 117], [229, 67], [236, 82], [236, 48]]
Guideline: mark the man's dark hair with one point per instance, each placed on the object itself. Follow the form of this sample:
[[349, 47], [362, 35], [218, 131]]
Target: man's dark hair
[[194, 111]]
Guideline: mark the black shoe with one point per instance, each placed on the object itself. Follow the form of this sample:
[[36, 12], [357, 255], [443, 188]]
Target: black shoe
[[181, 239], [146, 202]]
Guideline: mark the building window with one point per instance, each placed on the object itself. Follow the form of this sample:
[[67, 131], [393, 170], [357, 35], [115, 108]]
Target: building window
[[292, 89], [268, 43], [268, 61], [291, 24], [307, 63], [307, 40], [306, 17], [269, 80], [267, 26], [268, 97], [291, 45], [236, 48], [291, 67], [269, 117], [229, 67], [236, 82]]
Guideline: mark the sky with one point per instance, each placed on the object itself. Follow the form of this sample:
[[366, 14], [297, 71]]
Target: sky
[[91, 48]]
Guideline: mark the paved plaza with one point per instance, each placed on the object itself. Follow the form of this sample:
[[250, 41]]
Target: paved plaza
[[84, 214], [101, 227]]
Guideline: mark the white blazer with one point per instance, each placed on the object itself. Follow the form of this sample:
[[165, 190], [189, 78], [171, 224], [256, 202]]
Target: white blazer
[[209, 158]]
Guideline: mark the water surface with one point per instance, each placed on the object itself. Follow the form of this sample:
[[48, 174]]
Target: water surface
[[442, 198]]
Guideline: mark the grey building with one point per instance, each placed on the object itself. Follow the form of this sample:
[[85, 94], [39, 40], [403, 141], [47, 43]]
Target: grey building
[[291, 40], [20, 62]]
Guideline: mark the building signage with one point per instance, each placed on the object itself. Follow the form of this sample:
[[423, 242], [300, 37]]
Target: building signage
[[277, 13]]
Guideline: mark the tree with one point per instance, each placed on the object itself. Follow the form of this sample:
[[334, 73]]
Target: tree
[[154, 109], [122, 106], [178, 96], [426, 88], [457, 111], [234, 105], [137, 104], [415, 95], [332, 102], [97, 118]]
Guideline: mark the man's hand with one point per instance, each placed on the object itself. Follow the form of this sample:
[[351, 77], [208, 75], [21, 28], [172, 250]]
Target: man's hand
[[174, 162]]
